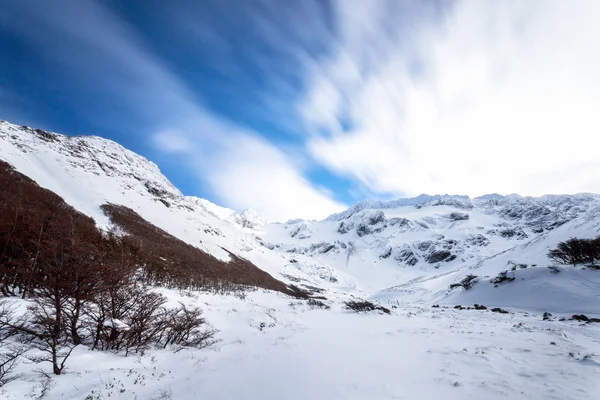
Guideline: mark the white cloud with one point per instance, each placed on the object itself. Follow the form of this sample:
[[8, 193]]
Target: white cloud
[[246, 171], [494, 97], [172, 141], [253, 173]]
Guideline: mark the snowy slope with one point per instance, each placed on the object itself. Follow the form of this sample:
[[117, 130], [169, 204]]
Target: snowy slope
[[88, 171], [414, 249], [304, 353], [404, 254]]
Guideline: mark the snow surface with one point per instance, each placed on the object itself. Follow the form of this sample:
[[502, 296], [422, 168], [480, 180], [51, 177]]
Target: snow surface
[[388, 252], [415, 353]]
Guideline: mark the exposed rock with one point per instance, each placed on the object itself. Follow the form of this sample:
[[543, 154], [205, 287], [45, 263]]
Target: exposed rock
[[477, 240], [466, 283], [301, 232], [438, 256], [405, 255], [458, 216], [386, 254], [580, 317], [399, 222], [423, 245], [372, 223], [345, 227]]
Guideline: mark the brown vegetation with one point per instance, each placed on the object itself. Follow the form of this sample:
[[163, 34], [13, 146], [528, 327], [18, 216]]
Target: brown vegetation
[[170, 262], [86, 287]]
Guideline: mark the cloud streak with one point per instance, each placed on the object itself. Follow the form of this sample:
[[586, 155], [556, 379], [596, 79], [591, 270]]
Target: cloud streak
[[399, 98], [241, 168], [491, 97]]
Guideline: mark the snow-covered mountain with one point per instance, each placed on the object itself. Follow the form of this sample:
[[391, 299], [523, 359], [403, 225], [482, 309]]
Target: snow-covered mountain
[[414, 249], [407, 249], [88, 171], [405, 254]]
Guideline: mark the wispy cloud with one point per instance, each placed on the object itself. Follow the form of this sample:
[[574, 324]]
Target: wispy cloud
[[485, 97], [246, 170], [397, 97]]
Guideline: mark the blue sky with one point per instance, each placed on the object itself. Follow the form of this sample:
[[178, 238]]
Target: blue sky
[[300, 108]]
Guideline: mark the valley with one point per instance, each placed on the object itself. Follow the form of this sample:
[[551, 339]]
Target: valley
[[407, 255]]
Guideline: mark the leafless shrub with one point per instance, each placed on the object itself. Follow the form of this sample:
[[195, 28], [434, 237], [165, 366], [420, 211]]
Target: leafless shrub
[[9, 358], [467, 282], [185, 327], [502, 278], [554, 269], [314, 303], [576, 251], [163, 394], [364, 306]]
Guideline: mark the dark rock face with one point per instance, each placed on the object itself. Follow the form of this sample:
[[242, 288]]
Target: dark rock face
[[386, 254], [438, 256], [345, 227], [513, 232], [547, 316], [509, 233], [499, 310], [399, 222], [321, 247], [44, 135], [424, 245], [327, 248], [373, 223], [363, 230], [580, 317], [448, 244], [156, 191], [477, 240], [376, 218], [458, 216], [301, 232], [406, 255]]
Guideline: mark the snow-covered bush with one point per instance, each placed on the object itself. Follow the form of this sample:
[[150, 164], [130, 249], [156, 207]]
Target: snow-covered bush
[[553, 269], [314, 303], [577, 251], [467, 282], [503, 277], [364, 306]]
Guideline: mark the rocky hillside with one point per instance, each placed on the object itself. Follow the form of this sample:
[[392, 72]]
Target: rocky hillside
[[414, 249]]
